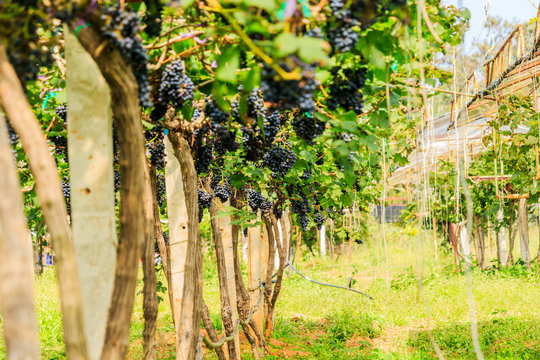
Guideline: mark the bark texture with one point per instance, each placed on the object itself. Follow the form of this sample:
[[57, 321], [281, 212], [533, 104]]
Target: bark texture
[[125, 105], [226, 306], [190, 314], [252, 332], [16, 265], [212, 335], [480, 242], [52, 203], [150, 300]]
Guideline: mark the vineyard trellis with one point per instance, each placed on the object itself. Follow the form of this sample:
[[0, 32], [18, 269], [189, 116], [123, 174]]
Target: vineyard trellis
[[218, 121]]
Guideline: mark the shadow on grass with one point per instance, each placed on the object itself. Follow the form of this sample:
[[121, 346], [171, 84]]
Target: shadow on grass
[[508, 338]]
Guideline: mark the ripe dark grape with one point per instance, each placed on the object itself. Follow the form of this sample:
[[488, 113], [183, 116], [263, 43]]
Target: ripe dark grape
[[290, 93], [61, 112], [346, 90], [246, 232], [223, 192], [257, 202], [224, 139], [156, 146], [319, 219], [279, 160], [204, 158], [205, 200], [13, 137], [343, 38], [160, 189], [272, 125], [306, 174], [20, 28], [116, 180], [277, 209], [304, 221], [121, 28], [158, 112], [253, 144], [66, 190], [255, 104], [176, 87], [307, 127], [216, 115], [60, 145], [315, 32], [152, 17]]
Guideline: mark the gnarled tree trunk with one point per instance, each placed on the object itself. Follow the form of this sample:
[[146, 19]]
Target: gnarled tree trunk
[[226, 304], [16, 266], [190, 313], [252, 332], [125, 105], [52, 202], [150, 300], [480, 246]]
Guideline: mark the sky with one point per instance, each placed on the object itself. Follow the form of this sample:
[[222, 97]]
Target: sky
[[521, 10]]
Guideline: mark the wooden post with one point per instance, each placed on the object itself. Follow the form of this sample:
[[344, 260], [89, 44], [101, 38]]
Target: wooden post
[[90, 151], [298, 233], [254, 271], [322, 240], [524, 232], [502, 252], [465, 242], [178, 229]]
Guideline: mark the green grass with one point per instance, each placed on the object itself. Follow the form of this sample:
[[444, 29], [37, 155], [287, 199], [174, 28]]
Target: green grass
[[315, 322]]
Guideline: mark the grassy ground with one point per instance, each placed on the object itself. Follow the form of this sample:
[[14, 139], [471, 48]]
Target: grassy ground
[[315, 322]]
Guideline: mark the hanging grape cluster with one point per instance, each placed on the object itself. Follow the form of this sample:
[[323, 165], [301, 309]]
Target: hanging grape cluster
[[205, 200], [121, 28], [66, 190], [152, 17], [176, 87], [20, 32], [346, 90], [156, 146], [307, 126], [290, 93], [279, 160], [257, 202]]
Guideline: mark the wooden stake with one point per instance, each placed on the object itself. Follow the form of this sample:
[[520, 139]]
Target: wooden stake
[[93, 220], [178, 228]]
